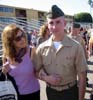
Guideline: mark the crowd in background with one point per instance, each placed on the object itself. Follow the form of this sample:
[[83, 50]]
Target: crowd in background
[[35, 37]]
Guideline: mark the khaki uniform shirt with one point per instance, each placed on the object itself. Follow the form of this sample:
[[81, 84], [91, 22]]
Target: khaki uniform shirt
[[91, 40], [67, 61], [81, 41]]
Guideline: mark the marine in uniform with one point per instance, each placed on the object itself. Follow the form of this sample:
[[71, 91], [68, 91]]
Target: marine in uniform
[[60, 61], [75, 34]]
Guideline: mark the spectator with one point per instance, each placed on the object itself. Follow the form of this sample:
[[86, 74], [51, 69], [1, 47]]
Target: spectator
[[28, 35], [91, 40], [34, 38], [84, 35], [43, 34], [18, 63]]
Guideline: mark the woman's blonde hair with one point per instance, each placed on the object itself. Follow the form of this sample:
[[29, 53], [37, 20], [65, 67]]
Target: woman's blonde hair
[[8, 35], [43, 30]]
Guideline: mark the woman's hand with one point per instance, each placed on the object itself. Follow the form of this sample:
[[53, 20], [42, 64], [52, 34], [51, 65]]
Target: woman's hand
[[5, 68], [53, 79]]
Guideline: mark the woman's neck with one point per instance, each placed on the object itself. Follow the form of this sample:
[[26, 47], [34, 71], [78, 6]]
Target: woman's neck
[[17, 50], [20, 53]]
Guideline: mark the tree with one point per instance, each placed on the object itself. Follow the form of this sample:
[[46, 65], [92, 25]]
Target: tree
[[83, 17], [90, 2]]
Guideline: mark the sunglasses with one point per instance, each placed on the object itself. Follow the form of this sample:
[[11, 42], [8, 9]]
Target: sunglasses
[[18, 38]]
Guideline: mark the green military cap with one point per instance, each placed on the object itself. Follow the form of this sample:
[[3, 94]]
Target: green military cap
[[55, 12], [76, 25]]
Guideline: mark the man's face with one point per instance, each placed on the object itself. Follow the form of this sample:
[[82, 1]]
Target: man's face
[[56, 26], [76, 30]]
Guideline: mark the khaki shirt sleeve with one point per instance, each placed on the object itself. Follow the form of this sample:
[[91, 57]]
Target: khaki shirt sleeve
[[37, 59], [80, 61]]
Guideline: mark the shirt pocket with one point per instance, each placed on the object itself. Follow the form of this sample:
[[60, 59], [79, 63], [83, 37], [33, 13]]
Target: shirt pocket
[[46, 61], [67, 61], [46, 57]]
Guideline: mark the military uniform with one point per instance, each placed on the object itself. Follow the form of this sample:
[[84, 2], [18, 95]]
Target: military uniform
[[63, 57], [81, 41], [67, 61]]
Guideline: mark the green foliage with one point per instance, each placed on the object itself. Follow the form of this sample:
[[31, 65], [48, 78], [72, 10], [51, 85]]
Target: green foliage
[[89, 2], [83, 17]]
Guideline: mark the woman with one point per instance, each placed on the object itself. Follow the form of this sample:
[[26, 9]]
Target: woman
[[17, 61], [43, 34]]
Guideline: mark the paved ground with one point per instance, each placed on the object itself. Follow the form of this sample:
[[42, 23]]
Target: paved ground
[[88, 89], [43, 91], [90, 76]]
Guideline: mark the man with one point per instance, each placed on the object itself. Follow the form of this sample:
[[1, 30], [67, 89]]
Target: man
[[85, 36], [91, 41], [75, 34], [28, 35], [59, 61]]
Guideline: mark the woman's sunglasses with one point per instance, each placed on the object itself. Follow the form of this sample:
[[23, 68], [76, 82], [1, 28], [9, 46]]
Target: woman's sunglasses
[[18, 38]]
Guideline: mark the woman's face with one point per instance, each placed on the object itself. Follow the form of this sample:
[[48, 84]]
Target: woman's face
[[47, 33], [20, 40]]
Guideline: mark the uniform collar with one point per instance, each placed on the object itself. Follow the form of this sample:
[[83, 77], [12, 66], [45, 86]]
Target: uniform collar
[[64, 42]]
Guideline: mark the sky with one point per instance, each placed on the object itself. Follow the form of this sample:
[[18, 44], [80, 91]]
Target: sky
[[69, 7]]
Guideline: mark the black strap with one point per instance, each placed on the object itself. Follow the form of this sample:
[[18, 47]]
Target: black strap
[[30, 51], [2, 76], [14, 82]]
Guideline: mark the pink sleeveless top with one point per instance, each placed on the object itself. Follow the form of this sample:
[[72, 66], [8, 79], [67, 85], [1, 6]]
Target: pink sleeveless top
[[24, 76]]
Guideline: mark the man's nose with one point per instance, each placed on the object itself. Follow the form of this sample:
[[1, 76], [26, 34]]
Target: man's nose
[[54, 26]]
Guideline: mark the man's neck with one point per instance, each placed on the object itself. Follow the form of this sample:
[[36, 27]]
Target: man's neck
[[58, 38]]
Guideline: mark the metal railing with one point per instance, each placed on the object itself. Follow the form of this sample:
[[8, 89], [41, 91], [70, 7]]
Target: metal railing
[[31, 24]]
